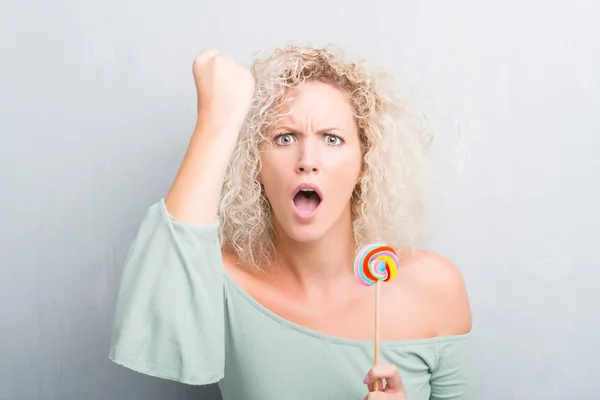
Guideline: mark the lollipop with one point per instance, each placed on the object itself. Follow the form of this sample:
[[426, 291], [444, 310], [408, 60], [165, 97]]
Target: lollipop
[[375, 263]]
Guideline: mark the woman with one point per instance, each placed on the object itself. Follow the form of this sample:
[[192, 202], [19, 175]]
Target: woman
[[243, 274]]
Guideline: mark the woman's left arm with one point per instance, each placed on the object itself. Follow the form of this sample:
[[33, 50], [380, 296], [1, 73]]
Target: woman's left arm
[[456, 376]]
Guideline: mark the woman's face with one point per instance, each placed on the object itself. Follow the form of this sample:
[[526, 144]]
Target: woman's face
[[310, 169]]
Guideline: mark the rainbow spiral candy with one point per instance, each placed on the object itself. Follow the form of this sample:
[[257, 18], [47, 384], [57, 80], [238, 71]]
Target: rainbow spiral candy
[[375, 262]]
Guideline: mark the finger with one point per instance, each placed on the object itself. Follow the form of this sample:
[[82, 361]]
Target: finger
[[209, 53], [371, 386], [390, 373], [377, 396], [204, 57]]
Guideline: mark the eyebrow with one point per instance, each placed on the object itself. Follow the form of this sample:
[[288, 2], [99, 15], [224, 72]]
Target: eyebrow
[[320, 131]]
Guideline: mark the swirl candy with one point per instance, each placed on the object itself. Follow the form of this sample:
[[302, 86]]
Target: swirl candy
[[376, 262]]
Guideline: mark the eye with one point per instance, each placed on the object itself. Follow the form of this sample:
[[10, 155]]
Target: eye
[[284, 139], [333, 140]]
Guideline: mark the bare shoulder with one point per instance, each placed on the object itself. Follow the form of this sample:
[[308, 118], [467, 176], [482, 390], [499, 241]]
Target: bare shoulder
[[440, 285], [433, 270]]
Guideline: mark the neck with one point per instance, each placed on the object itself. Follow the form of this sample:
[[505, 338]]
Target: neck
[[321, 265]]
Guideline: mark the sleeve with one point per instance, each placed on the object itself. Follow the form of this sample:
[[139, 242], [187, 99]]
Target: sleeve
[[169, 317], [456, 376]]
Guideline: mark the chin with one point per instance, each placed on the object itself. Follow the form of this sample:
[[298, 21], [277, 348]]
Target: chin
[[304, 233], [306, 236]]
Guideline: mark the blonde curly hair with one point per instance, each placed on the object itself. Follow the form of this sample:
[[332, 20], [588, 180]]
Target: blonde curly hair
[[387, 203]]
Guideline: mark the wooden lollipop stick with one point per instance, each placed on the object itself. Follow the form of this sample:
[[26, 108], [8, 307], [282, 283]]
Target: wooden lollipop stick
[[376, 355], [373, 263]]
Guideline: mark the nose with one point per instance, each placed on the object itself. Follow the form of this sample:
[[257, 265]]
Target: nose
[[306, 166], [307, 160]]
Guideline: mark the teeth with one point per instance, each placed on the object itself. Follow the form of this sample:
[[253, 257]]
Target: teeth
[[306, 190]]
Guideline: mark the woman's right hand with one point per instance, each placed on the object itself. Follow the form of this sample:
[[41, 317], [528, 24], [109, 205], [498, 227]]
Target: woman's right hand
[[225, 91]]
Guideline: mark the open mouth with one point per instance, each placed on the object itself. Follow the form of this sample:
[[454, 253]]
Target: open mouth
[[307, 201]]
